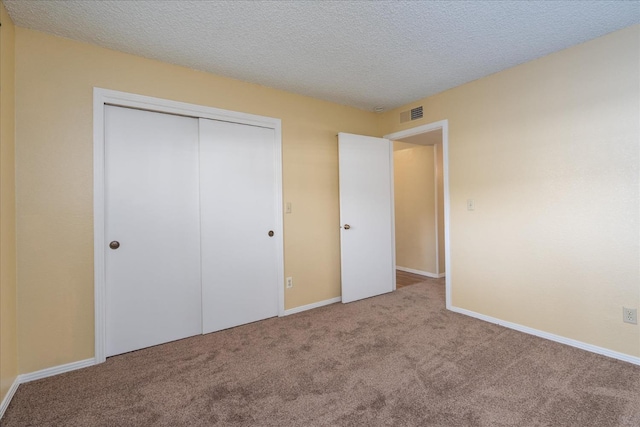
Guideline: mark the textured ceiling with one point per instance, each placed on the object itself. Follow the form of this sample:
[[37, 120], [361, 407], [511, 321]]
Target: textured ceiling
[[365, 54]]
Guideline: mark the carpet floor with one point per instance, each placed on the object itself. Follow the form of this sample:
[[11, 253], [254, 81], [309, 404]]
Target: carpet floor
[[399, 359]]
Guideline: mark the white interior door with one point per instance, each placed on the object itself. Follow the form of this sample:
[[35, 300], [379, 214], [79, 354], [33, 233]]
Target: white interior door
[[366, 216], [238, 210], [153, 291]]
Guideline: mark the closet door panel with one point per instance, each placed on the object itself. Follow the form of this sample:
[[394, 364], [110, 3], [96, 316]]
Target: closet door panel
[[153, 291], [237, 202]]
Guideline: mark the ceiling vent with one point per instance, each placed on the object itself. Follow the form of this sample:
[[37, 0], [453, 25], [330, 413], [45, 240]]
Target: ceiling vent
[[413, 114]]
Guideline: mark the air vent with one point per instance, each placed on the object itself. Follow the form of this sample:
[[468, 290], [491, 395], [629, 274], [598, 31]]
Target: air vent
[[413, 114], [416, 113]]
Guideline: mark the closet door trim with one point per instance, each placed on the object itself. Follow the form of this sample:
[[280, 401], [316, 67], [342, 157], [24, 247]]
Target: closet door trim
[[102, 97]]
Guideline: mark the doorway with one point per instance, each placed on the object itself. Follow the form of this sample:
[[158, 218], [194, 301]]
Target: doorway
[[373, 196], [419, 207], [422, 223]]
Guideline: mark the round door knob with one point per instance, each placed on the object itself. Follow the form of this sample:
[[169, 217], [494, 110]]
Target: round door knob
[[347, 226], [270, 233], [114, 245]]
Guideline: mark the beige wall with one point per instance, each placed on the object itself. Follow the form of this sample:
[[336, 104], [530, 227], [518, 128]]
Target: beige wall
[[8, 344], [549, 151], [54, 81], [415, 215]]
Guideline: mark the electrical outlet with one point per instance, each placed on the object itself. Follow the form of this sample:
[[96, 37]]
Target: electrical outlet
[[630, 315], [289, 282]]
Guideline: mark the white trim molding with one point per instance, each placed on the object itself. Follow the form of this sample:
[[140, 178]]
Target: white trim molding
[[551, 337], [312, 306], [56, 370], [38, 375], [420, 272], [102, 97], [436, 206], [7, 398]]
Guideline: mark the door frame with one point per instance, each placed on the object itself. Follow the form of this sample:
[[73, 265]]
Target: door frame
[[444, 125], [102, 97]]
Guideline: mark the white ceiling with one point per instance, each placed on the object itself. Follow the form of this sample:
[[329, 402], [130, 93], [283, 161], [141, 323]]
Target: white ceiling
[[365, 54]]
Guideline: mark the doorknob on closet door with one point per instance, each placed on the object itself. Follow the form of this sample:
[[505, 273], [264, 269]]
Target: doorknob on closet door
[[347, 226], [114, 245], [270, 233]]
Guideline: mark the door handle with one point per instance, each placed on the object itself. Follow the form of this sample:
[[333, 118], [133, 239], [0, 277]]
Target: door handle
[[114, 245], [347, 226], [270, 233]]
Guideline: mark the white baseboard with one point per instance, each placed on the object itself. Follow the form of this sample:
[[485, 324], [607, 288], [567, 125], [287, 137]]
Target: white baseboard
[[420, 272], [311, 306], [56, 370], [43, 373], [7, 399], [552, 337]]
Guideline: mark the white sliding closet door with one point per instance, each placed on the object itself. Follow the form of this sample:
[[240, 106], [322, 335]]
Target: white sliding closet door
[[153, 292], [238, 212]]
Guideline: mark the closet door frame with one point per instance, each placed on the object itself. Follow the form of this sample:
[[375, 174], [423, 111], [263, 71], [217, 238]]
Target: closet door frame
[[102, 97]]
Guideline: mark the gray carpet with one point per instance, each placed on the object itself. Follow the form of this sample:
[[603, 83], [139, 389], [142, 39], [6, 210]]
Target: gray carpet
[[399, 359]]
